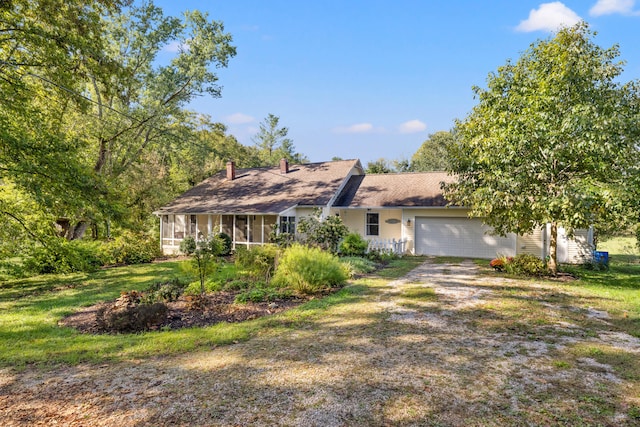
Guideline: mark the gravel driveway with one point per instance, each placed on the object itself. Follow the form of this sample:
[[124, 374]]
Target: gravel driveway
[[441, 346]]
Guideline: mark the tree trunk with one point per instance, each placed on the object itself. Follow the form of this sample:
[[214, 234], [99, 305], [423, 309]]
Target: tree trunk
[[76, 232], [553, 249], [63, 225], [102, 156]]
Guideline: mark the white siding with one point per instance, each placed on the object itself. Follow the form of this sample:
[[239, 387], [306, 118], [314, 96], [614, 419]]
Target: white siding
[[574, 250], [532, 243]]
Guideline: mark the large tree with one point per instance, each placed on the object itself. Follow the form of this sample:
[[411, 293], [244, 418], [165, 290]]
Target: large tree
[[93, 100], [47, 51], [273, 143], [553, 140], [432, 154]]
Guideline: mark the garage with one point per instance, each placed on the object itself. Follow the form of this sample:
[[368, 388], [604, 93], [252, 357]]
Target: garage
[[463, 237]]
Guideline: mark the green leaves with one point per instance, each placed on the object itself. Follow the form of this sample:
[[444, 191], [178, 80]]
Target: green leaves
[[551, 139], [273, 144], [93, 100], [432, 154]]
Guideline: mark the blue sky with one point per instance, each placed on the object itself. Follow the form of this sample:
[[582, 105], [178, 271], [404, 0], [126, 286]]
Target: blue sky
[[371, 79]]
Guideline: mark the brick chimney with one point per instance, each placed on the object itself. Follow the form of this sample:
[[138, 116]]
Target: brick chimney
[[231, 171], [284, 166]]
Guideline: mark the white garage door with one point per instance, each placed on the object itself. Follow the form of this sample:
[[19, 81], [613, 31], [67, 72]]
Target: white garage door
[[464, 237]]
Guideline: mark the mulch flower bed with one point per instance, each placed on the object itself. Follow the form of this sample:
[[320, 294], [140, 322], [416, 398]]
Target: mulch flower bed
[[211, 309]]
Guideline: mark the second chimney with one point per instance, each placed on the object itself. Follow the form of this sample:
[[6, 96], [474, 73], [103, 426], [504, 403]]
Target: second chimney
[[231, 171], [284, 166]]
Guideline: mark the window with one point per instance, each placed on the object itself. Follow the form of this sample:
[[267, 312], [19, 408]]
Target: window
[[288, 224], [373, 224]]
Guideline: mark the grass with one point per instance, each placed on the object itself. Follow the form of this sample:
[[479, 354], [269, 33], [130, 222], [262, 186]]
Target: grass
[[616, 290], [31, 308], [401, 266], [504, 351]]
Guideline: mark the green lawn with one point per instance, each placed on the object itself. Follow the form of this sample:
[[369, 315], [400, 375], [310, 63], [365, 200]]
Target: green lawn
[[507, 350], [31, 308], [618, 288]]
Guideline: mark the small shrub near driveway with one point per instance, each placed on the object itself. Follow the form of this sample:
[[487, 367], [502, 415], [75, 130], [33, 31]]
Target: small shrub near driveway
[[353, 245], [308, 270], [522, 264]]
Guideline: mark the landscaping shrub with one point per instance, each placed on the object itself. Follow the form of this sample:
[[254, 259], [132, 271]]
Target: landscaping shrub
[[204, 257], [353, 245], [129, 314], [194, 288], [594, 265], [258, 262], [133, 248], [309, 270], [237, 285], [62, 256], [188, 245], [525, 264], [164, 291], [281, 240], [226, 243], [358, 265], [325, 233], [260, 293], [382, 256]]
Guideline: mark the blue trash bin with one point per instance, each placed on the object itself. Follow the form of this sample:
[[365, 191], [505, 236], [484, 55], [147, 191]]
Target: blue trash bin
[[600, 257]]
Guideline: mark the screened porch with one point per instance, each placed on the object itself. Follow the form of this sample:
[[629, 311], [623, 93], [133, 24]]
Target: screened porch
[[247, 230]]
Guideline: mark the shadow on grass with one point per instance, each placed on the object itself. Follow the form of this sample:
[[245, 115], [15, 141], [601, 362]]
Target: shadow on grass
[[110, 277], [358, 368]]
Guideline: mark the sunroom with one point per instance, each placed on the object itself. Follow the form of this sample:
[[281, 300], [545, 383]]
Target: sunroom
[[244, 230]]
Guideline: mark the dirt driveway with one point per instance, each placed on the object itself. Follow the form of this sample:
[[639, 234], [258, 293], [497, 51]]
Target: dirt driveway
[[442, 346]]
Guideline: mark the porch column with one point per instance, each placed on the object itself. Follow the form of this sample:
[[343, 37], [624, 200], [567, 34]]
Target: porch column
[[209, 225], [234, 231], [248, 235], [173, 231], [161, 232]]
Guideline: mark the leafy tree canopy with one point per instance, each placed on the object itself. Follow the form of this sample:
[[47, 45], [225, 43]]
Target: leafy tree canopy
[[381, 165], [92, 122], [432, 154], [553, 139]]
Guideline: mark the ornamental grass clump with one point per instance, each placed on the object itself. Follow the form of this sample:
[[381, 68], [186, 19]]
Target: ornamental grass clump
[[308, 270]]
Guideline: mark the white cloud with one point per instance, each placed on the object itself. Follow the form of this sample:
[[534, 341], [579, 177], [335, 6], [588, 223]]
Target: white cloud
[[412, 126], [549, 17], [610, 7], [175, 47], [357, 128], [239, 119]]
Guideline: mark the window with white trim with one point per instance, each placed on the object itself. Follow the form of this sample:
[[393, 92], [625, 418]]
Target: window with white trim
[[373, 224], [288, 224]]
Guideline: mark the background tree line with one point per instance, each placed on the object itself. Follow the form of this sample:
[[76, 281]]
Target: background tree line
[[95, 130]]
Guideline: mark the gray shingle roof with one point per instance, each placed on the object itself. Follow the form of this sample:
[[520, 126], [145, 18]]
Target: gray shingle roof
[[264, 190], [394, 190]]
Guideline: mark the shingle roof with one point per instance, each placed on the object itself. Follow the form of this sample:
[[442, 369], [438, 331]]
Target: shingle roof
[[264, 190], [394, 190]]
